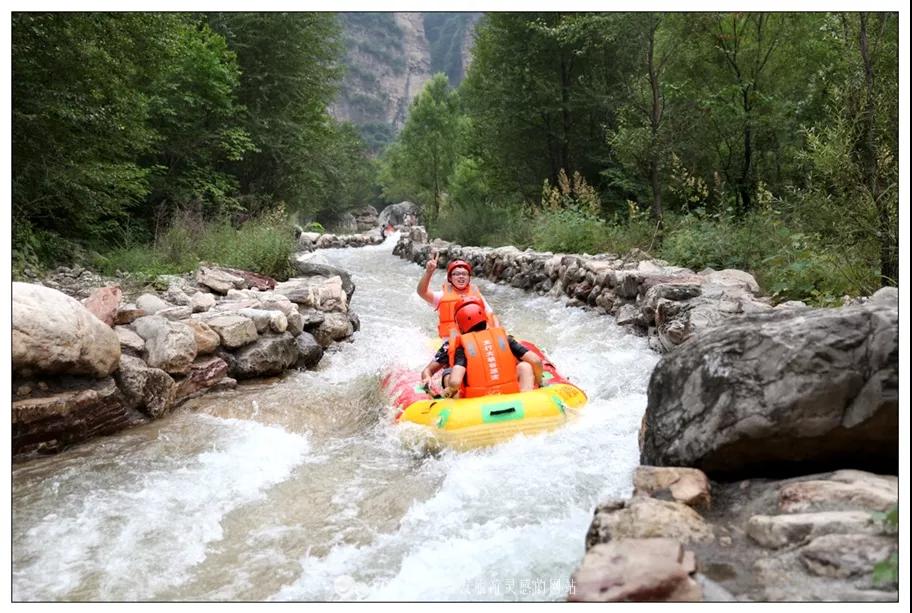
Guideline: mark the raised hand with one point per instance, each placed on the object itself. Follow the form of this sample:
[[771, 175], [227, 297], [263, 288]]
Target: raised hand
[[431, 264]]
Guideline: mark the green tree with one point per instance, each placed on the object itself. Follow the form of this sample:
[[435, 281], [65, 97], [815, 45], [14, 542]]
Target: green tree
[[289, 75], [420, 163], [79, 125]]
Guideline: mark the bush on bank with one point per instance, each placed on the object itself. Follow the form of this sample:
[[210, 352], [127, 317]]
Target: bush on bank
[[261, 245]]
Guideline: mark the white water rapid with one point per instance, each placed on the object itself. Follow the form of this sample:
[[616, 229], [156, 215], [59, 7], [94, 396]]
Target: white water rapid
[[299, 488]]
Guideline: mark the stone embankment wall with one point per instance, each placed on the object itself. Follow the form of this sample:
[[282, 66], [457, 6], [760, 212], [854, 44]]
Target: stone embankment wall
[[668, 303], [82, 369]]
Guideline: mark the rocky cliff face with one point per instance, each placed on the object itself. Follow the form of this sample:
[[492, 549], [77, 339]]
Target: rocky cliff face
[[389, 58]]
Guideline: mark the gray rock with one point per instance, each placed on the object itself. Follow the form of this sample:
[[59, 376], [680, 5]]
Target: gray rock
[[773, 389], [170, 345], [234, 330], [645, 517], [152, 304], [148, 389], [201, 302], [774, 531], [335, 327], [129, 341], [846, 555], [309, 350], [269, 355], [219, 281]]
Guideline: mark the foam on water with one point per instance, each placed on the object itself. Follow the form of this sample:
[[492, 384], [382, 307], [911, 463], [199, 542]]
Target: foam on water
[[143, 530]]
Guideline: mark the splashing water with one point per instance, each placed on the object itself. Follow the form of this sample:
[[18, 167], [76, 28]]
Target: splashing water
[[300, 488]]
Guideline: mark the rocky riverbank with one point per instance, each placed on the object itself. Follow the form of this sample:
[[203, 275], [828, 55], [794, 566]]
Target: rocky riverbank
[[89, 361], [770, 443]]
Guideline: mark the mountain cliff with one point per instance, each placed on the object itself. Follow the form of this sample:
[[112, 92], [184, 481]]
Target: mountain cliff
[[388, 59]]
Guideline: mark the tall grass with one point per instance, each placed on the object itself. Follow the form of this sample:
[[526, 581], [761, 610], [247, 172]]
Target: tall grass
[[262, 245]]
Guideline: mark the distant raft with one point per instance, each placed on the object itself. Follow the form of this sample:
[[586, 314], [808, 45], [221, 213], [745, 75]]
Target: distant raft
[[466, 423]]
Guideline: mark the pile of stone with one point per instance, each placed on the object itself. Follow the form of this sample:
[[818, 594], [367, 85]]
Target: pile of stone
[[794, 416], [668, 303], [84, 369], [308, 241]]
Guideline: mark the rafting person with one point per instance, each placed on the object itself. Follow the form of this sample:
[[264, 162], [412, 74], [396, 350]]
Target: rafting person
[[458, 285]]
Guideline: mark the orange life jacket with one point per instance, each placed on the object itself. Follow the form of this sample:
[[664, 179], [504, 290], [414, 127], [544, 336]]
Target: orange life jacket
[[490, 365], [446, 310]]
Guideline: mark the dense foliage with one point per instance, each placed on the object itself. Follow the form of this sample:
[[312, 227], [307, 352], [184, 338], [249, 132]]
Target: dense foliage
[[695, 137], [124, 124]]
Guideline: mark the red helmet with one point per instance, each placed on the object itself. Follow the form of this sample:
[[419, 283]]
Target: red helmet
[[458, 264], [469, 314]]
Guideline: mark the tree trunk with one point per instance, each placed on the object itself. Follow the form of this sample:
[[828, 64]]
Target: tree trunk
[[889, 265], [745, 181]]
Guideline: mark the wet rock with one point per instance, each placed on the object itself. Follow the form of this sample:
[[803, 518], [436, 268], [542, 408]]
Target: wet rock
[[309, 350], [205, 373], [49, 423], [170, 345], [686, 485], [311, 318], [335, 327], [103, 303], [148, 389], [636, 570], [52, 333], [269, 355], [317, 293], [234, 330]]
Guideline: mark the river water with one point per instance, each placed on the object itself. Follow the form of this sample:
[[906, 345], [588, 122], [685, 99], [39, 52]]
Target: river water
[[300, 488]]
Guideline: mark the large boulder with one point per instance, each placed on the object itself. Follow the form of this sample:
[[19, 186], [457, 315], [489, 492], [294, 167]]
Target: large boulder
[[396, 214], [219, 281], [647, 517], [316, 292], [54, 334], [50, 422], [269, 355], [787, 391], [170, 345], [335, 327], [233, 330], [310, 352], [205, 372]]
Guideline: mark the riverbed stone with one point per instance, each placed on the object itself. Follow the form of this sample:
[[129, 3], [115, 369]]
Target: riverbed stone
[[170, 345], [686, 485], [150, 390], [53, 333], [310, 352], [646, 517], [130, 341], [269, 355], [200, 302], [207, 339], [219, 281], [205, 373], [234, 330], [127, 314], [175, 313], [335, 327], [152, 304], [636, 570], [266, 320], [103, 303], [846, 555], [51, 422], [775, 531], [176, 295], [845, 490]]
